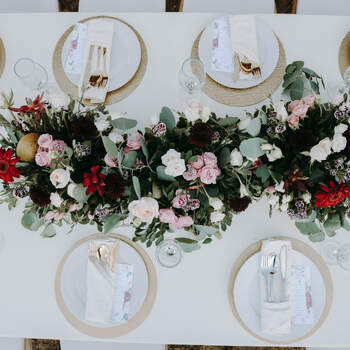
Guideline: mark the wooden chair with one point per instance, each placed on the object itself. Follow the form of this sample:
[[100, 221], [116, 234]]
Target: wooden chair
[[121, 5]]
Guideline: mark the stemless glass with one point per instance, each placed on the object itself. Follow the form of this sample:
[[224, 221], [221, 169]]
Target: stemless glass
[[336, 254], [169, 253], [32, 74], [192, 75]]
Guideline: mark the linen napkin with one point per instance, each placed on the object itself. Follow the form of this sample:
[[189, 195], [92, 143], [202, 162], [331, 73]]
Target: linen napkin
[[100, 34], [244, 41], [276, 316], [108, 291]]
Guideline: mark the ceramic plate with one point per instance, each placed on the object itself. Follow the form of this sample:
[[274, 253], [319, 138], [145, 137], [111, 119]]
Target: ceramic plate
[[268, 52], [125, 55]]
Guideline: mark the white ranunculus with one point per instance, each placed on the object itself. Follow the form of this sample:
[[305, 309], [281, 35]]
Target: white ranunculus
[[102, 123], [243, 191], [286, 198], [205, 114], [115, 136], [273, 200], [280, 187], [236, 158], [266, 147], [275, 154], [216, 203], [338, 143], [60, 178], [58, 101], [56, 199], [146, 209], [244, 123], [192, 114], [281, 111], [175, 168], [284, 207], [306, 197], [321, 151], [70, 189], [340, 129], [217, 216], [170, 156]]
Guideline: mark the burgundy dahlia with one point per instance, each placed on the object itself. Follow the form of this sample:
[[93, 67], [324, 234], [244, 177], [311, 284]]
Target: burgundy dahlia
[[115, 186], [302, 139], [201, 134], [84, 128], [40, 196], [239, 204]]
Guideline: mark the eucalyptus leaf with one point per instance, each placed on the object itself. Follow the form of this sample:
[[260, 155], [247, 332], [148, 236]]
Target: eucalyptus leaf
[[307, 228], [251, 148], [162, 176], [137, 188], [167, 117], [317, 237], [110, 147], [254, 127], [49, 231], [297, 89], [188, 248], [192, 159], [224, 157], [130, 159], [124, 123], [332, 224], [186, 240], [209, 230], [228, 121], [311, 72], [263, 172], [31, 221], [79, 193], [144, 148], [110, 223], [212, 190]]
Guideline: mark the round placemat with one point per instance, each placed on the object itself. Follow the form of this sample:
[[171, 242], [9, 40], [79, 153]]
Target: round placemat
[[119, 329], [307, 251], [244, 97], [112, 96], [2, 57], [344, 54]]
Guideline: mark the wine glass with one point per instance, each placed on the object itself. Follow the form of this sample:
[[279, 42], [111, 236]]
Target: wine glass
[[32, 74], [169, 253], [336, 254], [192, 75]]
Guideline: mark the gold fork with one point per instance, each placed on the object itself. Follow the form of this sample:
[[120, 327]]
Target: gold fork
[[248, 67], [96, 76], [104, 74]]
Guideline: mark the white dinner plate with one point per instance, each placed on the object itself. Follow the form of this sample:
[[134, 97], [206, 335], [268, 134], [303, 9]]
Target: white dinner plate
[[74, 277], [125, 55], [248, 303], [268, 54]]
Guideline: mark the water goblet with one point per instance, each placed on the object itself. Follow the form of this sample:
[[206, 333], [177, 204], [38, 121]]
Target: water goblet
[[192, 75], [169, 253]]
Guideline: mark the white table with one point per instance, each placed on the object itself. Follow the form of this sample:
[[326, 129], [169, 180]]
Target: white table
[[192, 305]]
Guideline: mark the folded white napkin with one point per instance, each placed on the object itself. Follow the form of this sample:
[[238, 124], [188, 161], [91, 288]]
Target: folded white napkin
[[108, 292], [276, 316], [100, 33], [244, 40]]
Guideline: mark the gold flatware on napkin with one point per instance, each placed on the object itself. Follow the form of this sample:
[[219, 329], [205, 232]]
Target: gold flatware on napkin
[[104, 73], [96, 77]]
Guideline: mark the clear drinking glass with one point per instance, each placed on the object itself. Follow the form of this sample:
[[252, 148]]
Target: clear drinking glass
[[169, 253], [192, 75], [32, 74], [336, 254]]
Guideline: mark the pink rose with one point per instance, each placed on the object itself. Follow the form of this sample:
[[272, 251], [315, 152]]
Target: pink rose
[[292, 105], [309, 100], [133, 143], [180, 201], [167, 216], [199, 163], [293, 120], [181, 222], [300, 110], [57, 146], [112, 163], [42, 159], [209, 174], [270, 189], [210, 159], [44, 141], [190, 174]]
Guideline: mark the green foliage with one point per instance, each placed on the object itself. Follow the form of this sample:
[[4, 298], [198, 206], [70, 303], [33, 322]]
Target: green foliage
[[167, 117], [124, 123]]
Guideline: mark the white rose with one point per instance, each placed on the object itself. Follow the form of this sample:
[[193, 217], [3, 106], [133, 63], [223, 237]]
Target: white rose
[[102, 123], [243, 191], [340, 129], [273, 200], [284, 207], [338, 143], [58, 100], [170, 156], [286, 198], [217, 216], [275, 154], [306, 197], [266, 147], [70, 189], [216, 203], [321, 151], [154, 119], [146, 209], [244, 123], [60, 178], [281, 111], [192, 114], [115, 136], [205, 114], [236, 158], [175, 168], [280, 187], [56, 199]]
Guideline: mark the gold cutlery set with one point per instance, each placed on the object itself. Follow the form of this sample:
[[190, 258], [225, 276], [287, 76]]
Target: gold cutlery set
[[246, 66]]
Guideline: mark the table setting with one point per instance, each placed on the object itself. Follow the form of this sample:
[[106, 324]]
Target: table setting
[[184, 179]]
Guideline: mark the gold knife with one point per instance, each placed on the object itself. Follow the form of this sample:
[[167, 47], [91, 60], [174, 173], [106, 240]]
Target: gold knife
[[236, 67], [87, 71]]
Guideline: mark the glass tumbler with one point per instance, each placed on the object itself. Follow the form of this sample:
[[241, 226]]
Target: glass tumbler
[[169, 253]]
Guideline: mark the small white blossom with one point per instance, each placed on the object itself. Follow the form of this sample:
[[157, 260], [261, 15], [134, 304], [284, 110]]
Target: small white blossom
[[170, 156], [266, 147], [340, 129], [216, 203], [284, 207], [281, 111], [216, 216], [321, 151], [243, 191], [306, 197], [60, 178], [236, 158], [244, 123], [115, 136], [273, 200], [102, 123], [286, 198], [56, 199], [280, 187], [338, 143], [205, 114]]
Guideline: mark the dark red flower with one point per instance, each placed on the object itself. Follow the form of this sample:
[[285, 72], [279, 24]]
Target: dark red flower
[[332, 196], [295, 180], [201, 134], [40, 196], [84, 128], [239, 204], [115, 186], [8, 169], [36, 107], [94, 181], [301, 139]]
